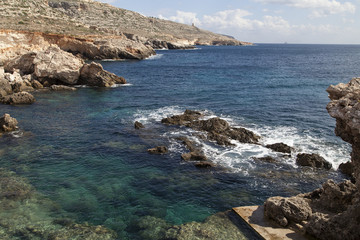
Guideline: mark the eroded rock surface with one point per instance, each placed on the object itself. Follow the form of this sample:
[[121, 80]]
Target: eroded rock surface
[[7, 123], [93, 74], [19, 98], [312, 160]]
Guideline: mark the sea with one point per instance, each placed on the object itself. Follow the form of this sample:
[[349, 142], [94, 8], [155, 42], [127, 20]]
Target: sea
[[80, 149]]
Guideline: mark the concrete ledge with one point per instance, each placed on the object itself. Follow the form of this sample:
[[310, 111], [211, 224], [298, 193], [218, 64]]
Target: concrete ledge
[[269, 230]]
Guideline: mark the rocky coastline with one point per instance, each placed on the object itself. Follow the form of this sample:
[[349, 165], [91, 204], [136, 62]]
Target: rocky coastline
[[330, 212]]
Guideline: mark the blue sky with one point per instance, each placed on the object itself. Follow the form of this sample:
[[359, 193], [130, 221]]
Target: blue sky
[[262, 21]]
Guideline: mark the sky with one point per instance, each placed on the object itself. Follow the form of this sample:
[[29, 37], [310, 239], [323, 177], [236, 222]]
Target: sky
[[262, 21]]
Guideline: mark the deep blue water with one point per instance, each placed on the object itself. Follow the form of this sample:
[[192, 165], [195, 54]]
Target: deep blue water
[[81, 149]]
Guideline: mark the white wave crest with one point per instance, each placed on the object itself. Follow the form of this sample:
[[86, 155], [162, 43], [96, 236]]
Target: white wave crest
[[155, 57]]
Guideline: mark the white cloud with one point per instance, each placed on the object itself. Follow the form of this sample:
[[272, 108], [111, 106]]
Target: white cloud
[[183, 17], [319, 8]]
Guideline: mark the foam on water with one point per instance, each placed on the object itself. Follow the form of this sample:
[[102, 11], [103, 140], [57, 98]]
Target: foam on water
[[240, 157], [155, 57], [121, 85]]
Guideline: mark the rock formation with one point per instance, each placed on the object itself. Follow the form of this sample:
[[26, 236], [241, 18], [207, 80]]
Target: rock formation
[[345, 108], [158, 150], [312, 160], [93, 74], [7, 123], [333, 211]]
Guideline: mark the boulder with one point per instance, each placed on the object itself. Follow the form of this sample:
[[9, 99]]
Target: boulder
[[158, 150], [183, 119], [194, 156], [188, 144], [19, 98], [312, 160], [56, 64], [62, 88], [138, 125], [36, 84], [93, 74], [7, 123], [5, 87], [279, 147], [285, 210]]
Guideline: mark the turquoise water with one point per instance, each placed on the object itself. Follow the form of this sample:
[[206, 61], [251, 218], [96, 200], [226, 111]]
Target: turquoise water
[[81, 150]]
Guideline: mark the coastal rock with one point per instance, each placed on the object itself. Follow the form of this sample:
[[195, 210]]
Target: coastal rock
[[312, 160], [36, 84], [188, 144], [62, 88], [345, 107], [19, 98], [158, 150], [56, 64], [347, 169], [194, 156], [138, 125], [7, 123], [93, 74], [279, 147], [5, 87], [25, 63], [284, 210], [183, 119]]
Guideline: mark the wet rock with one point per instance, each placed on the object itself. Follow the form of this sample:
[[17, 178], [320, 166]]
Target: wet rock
[[7, 123], [54, 63], [216, 124], [280, 147], [266, 159], [93, 74], [312, 160], [158, 150], [183, 119], [85, 231], [194, 156], [347, 168], [243, 135], [62, 88], [219, 139], [204, 164], [19, 98], [283, 210], [138, 125]]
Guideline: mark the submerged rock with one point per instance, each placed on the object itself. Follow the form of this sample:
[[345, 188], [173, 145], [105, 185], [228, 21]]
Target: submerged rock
[[158, 150], [13, 187], [19, 98], [312, 160], [204, 164], [7, 123], [280, 147], [266, 159], [194, 156]]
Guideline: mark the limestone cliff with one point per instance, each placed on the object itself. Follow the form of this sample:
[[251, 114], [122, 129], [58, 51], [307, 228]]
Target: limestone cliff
[[88, 17]]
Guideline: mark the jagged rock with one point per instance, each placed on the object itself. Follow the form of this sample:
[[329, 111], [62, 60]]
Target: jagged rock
[[283, 210], [25, 63], [183, 119], [94, 75], [312, 160], [158, 150], [216, 124], [7, 123], [19, 98], [138, 125], [280, 147], [344, 107], [189, 144], [347, 168], [62, 88], [219, 139], [54, 63], [194, 156], [204, 164]]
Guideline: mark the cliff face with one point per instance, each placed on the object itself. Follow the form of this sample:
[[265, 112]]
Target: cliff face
[[345, 107], [87, 17]]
